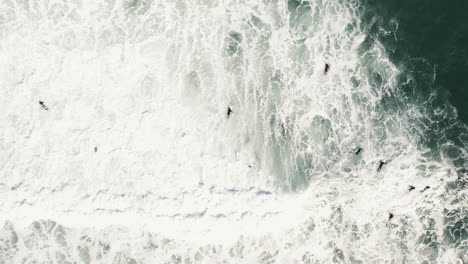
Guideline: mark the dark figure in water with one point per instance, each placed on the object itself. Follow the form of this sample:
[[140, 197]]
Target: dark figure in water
[[411, 187], [229, 112], [390, 216], [425, 188], [44, 106], [327, 68], [381, 165], [358, 151]]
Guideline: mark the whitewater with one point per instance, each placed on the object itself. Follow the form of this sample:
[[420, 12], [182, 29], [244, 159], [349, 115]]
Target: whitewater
[[136, 161]]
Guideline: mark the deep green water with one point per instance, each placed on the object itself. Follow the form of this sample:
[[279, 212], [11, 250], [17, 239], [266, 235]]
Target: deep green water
[[428, 41], [427, 37]]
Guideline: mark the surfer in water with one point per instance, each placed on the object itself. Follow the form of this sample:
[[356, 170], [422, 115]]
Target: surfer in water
[[411, 187], [426, 188], [327, 68], [229, 112], [44, 106], [381, 163], [358, 151]]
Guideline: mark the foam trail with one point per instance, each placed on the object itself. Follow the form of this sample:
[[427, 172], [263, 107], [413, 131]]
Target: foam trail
[[136, 162]]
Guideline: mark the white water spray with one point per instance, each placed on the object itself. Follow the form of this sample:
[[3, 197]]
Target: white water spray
[[136, 161]]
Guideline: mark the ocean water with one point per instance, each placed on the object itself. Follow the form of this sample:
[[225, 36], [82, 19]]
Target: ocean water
[[427, 38], [136, 161]]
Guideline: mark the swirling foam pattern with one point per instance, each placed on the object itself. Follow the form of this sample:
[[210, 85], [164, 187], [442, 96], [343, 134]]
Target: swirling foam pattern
[[136, 162]]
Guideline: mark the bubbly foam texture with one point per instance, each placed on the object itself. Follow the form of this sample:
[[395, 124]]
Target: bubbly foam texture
[[137, 162]]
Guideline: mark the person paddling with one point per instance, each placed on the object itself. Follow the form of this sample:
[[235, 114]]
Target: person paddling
[[327, 68], [381, 165], [229, 112], [44, 106], [426, 188], [358, 151]]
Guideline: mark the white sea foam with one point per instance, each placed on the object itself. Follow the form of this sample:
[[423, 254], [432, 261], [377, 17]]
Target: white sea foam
[[136, 161]]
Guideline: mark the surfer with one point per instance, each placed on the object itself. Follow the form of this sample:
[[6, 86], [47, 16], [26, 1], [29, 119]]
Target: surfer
[[426, 188], [381, 165], [44, 106], [327, 68], [229, 112], [411, 187], [390, 216], [358, 151]]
